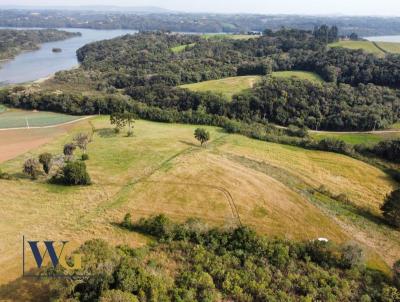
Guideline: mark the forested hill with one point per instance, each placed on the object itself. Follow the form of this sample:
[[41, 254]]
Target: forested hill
[[355, 96], [13, 42]]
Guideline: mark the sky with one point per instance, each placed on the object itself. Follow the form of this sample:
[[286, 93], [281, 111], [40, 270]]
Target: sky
[[345, 7]]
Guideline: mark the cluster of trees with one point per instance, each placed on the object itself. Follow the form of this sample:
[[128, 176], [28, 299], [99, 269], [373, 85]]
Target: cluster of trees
[[13, 41], [318, 106], [391, 208], [62, 169], [223, 265], [326, 34], [183, 113]]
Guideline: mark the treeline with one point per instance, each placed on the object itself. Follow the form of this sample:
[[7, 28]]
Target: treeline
[[191, 262], [153, 19], [189, 113], [13, 41]]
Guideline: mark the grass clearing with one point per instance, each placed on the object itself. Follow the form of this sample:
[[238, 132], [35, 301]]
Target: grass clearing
[[228, 36], [227, 86], [181, 48], [25, 119], [162, 169], [299, 75], [367, 46], [358, 138], [389, 47]]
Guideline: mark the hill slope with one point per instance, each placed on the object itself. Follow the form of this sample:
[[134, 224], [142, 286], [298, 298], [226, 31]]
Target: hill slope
[[273, 188]]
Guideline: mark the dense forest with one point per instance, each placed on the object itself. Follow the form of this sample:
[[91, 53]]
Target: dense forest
[[184, 22], [13, 42], [359, 93], [191, 262]]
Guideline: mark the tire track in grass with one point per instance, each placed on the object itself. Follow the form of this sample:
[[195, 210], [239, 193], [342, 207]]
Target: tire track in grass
[[121, 196], [227, 194]]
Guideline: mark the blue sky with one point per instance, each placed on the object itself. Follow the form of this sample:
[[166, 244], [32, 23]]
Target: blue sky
[[347, 7]]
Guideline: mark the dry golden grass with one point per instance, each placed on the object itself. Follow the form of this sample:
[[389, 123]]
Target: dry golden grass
[[163, 170], [363, 184]]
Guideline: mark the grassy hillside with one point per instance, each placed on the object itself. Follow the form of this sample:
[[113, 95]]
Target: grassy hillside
[[368, 46], [229, 36], [233, 85], [162, 169], [301, 75], [180, 48], [226, 86], [389, 46], [378, 48], [358, 138]]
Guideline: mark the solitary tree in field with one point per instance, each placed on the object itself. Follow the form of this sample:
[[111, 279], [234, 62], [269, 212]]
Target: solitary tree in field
[[202, 135], [121, 119], [391, 208], [82, 140], [46, 160], [118, 121], [32, 168]]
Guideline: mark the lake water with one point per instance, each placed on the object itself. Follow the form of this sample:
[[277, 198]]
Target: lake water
[[385, 39], [33, 65]]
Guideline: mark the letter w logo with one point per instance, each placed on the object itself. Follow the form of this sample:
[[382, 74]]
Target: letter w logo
[[55, 260]]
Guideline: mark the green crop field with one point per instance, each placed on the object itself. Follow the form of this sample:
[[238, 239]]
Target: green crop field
[[301, 75], [25, 119], [358, 138], [227, 86], [162, 169]]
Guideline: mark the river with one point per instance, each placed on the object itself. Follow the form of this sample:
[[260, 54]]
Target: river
[[385, 39], [41, 63]]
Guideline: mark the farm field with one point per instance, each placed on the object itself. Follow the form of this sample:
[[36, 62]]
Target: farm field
[[358, 138], [26, 119], [227, 86], [162, 169]]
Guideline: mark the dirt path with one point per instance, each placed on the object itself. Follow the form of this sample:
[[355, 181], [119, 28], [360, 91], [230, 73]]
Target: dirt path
[[14, 142]]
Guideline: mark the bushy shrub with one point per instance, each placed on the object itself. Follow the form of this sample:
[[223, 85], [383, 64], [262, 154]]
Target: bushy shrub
[[45, 159], [391, 208], [85, 157], [32, 168], [72, 174], [117, 296]]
